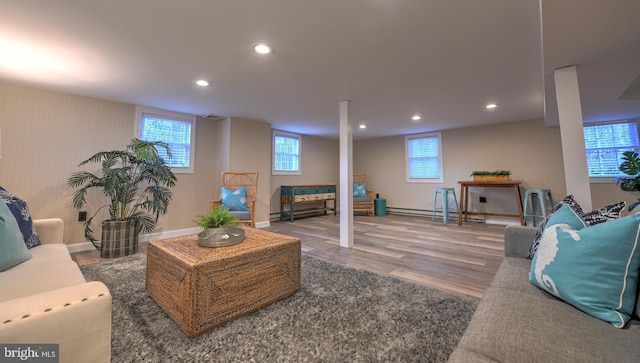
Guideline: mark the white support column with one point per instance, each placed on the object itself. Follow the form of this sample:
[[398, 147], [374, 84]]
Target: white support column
[[346, 177], [576, 173]]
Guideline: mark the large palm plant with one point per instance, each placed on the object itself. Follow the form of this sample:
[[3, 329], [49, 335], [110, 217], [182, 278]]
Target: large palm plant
[[136, 181], [631, 167]]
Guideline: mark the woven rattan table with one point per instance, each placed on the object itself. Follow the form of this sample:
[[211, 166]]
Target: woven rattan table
[[202, 288]]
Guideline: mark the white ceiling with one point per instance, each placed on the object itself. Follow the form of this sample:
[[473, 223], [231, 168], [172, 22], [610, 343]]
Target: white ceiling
[[442, 59], [602, 38]]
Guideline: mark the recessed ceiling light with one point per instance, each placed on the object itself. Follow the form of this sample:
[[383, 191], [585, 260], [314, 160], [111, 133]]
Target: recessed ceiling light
[[262, 48], [491, 105], [416, 117], [363, 126], [202, 83]]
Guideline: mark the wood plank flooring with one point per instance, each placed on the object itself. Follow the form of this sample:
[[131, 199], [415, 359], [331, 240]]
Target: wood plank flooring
[[459, 259]]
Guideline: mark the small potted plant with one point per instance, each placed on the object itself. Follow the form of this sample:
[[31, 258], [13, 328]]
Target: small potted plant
[[484, 175], [218, 228]]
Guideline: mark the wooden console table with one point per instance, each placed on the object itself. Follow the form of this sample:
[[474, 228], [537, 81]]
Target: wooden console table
[[464, 198], [305, 195]]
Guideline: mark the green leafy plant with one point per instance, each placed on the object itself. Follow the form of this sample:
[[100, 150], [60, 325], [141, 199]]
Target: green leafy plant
[[485, 172], [136, 181], [631, 167], [219, 217]]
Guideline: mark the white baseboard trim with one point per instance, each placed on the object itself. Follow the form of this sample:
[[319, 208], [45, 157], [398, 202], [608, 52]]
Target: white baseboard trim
[[169, 234], [265, 224], [505, 221], [81, 247], [88, 246]]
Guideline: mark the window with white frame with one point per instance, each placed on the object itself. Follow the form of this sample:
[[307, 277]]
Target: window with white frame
[[286, 153], [176, 129], [605, 144], [424, 158]]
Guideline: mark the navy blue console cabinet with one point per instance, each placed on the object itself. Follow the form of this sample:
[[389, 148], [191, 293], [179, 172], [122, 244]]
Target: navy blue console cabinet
[[305, 200]]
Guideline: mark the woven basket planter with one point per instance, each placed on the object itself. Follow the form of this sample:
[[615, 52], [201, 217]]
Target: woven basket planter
[[491, 178], [119, 238]]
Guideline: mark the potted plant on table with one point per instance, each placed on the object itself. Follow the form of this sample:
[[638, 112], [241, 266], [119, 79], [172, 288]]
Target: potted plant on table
[[137, 183], [218, 228], [631, 167], [484, 175]]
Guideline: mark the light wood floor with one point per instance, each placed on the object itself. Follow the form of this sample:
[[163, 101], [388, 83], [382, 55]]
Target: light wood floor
[[459, 259]]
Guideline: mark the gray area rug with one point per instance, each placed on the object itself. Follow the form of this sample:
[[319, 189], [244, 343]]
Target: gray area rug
[[339, 314]]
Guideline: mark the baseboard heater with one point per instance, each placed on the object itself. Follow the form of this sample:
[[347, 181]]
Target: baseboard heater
[[429, 213], [409, 212]]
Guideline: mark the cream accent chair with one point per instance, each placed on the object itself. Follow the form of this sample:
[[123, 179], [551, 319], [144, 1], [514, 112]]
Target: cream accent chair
[[46, 300], [235, 180], [363, 204]]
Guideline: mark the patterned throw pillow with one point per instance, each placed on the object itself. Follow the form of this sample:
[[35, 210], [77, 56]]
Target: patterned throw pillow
[[594, 268], [21, 213], [235, 200], [597, 216], [360, 190], [604, 214]]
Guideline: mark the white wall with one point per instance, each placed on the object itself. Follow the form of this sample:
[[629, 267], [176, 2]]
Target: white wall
[[45, 135], [531, 151], [250, 150], [320, 163]]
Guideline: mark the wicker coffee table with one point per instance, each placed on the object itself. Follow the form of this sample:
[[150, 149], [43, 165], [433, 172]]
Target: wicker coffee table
[[202, 288]]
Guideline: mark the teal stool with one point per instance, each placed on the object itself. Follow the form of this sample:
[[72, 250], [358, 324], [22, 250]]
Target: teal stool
[[538, 197], [444, 194]]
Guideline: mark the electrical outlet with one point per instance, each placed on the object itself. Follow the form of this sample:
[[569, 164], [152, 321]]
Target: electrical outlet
[[483, 199], [82, 216]]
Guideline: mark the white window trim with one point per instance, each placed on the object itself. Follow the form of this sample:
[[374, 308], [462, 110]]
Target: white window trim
[[607, 179], [406, 157], [140, 110], [275, 133]]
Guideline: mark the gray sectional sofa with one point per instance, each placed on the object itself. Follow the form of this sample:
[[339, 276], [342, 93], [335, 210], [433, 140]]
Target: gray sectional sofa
[[518, 322]]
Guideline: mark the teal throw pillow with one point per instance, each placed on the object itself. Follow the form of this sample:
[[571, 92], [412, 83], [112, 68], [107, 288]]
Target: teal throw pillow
[[601, 215], [360, 190], [235, 200], [594, 268], [13, 251]]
